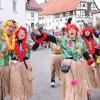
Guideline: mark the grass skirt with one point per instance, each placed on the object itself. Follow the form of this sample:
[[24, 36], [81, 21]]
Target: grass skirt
[[95, 75], [56, 63], [20, 84], [80, 73], [4, 82]]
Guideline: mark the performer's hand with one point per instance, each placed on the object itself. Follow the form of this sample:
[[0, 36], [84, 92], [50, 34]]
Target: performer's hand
[[57, 47], [13, 61], [31, 45], [93, 65]]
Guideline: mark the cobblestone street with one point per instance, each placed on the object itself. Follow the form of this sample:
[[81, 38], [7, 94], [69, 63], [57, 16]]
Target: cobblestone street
[[41, 85]]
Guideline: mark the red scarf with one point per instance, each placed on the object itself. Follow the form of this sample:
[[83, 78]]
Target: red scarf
[[22, 54], [40, 40], [90, 46]]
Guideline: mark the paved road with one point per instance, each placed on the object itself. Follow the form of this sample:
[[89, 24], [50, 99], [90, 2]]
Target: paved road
[[41, 66], [41, 85]]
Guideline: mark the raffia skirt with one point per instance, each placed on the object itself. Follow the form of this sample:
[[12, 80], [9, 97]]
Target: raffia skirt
[[56, 63], [20, 82], [4, 81], [96, 75], [78, 72]]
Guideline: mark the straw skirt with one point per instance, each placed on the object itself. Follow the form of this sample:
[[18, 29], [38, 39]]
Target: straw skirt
[[4, 82], [56, 64], [79, 73], [20, 82]]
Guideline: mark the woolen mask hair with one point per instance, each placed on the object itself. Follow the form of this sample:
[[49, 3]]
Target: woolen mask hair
[[21, 28], [89, 29]]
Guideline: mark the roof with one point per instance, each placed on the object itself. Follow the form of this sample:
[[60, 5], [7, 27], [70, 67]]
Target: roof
[[33, 5], [58, 6]]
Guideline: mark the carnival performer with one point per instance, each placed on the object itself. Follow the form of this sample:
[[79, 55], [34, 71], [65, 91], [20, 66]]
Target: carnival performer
[[7, 45], [98, 46], [56, 59], [39, 37], [91, 38], [20, 68], [98, 28], [75, 82], [56, 55]]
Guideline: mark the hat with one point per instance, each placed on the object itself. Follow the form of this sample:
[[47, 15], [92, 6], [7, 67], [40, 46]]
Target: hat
[[21, 28], [11, 23], [87, 28], [70, 26], [69, 21]]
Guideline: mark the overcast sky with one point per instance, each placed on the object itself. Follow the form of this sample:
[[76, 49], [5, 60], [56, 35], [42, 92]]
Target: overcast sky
[[97, 1]]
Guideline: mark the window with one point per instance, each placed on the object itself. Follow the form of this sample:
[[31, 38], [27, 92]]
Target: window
[[71, 12], [0, 4], [32, 14], [57, 15], [60, 19], [41, 18], [14, 6], [83, 5], [89, 6], [86, 13], [63, 14]]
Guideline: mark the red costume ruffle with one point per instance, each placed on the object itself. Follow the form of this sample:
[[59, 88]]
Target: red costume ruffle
[[40, 40]]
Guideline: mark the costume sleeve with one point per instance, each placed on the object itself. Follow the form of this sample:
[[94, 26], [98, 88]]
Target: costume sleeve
[[88, 58], [86, 55], [51, 38], [35, 46], [95, 33], [59, 39], [32, 35]]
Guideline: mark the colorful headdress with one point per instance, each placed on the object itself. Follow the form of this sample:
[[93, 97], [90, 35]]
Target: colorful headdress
[[11, 23], [72, 26], [9, 43], [21, 28], [87, 28], [69, 21]]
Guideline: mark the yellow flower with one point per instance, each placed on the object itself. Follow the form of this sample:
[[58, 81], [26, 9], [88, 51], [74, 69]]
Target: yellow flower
[[10, 42], [9, 22]]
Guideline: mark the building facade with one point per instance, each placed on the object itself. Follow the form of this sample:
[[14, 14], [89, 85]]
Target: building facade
[[32, 16], [80, 12], [96, 18], [12, 9]]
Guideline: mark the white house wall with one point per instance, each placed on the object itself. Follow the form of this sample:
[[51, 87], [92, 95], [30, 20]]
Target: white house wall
[[6, 12], [52, 23], [30, 19], [96, 18]]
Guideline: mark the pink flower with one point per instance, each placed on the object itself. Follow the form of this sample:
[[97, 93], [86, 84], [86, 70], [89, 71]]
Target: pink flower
[[69, 45], [74, 82]]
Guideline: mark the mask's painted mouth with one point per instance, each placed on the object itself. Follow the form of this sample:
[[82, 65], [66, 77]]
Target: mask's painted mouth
[[72, 34]]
